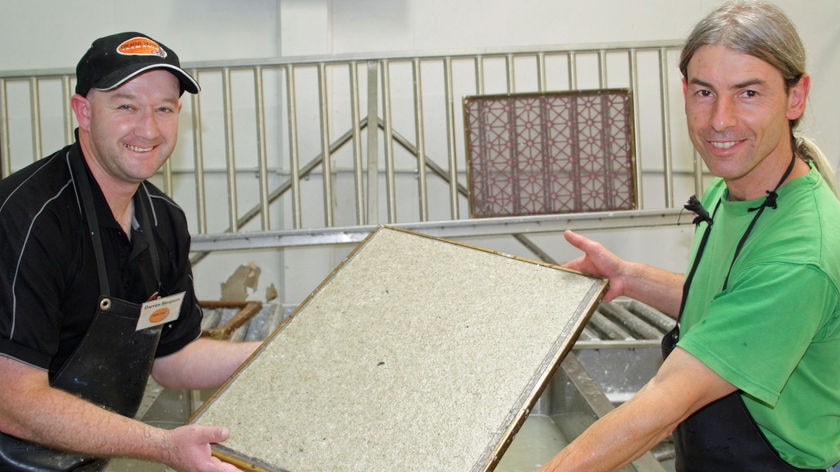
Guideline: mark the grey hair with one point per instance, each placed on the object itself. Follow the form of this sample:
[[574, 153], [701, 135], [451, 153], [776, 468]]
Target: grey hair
[[762, 30]]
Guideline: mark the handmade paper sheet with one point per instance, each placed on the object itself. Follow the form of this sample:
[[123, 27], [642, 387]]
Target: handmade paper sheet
[[416, 353]]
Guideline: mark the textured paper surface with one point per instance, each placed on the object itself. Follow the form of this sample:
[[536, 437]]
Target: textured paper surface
[[415, 354]]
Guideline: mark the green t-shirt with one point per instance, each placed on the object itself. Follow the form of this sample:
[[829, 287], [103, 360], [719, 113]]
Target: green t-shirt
[[775, 331]]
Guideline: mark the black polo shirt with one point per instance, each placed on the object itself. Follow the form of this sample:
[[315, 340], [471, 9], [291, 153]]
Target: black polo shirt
[[49, 285]]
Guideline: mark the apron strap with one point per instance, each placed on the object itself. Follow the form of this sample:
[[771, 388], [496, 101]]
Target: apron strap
[[86, 194], [89, 210], [147, 231]]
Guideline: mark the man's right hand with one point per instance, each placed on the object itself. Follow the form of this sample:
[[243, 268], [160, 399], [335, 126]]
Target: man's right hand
[[597, 261], [654, 286], [188, 449]]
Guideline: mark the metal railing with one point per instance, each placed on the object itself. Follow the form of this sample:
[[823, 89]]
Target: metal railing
[[318, 150]]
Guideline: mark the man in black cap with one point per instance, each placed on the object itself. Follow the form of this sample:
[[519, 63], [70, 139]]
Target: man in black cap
[[96, 288]]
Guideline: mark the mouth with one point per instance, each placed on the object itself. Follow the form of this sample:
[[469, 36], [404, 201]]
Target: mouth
[[723, 146], [138, 149]]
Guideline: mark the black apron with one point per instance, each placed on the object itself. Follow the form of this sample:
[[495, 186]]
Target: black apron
[[722, 436], [112, 363]]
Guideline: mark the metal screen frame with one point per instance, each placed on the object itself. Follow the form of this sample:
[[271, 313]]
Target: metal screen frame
[[549, 153]]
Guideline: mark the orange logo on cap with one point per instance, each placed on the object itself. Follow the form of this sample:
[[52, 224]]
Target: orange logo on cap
[[159, 315], [140, 46]]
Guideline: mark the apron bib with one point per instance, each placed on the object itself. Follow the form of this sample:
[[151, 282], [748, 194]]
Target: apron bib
[[112, 363]]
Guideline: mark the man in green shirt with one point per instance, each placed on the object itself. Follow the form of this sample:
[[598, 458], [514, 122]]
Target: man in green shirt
[[751, 379]]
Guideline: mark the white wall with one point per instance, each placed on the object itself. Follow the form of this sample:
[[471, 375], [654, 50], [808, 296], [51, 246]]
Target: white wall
[[42, 34]]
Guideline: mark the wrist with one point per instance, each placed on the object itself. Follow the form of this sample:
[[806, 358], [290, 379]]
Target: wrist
[[156, 445], [629, 275]]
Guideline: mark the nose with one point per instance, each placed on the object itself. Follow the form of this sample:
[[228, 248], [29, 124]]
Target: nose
[[723, 114], [147, 125]]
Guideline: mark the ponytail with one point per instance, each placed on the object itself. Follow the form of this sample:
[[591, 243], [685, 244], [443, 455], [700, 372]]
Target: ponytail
[[811, 153]]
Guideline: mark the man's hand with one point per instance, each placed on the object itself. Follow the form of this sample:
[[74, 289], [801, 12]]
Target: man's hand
[[597, 261], [656, 287], [188, 449]]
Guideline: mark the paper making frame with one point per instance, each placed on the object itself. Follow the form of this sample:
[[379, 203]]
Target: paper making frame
[[415, 353]]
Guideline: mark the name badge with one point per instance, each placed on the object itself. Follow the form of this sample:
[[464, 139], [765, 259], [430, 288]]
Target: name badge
[[160, 310]]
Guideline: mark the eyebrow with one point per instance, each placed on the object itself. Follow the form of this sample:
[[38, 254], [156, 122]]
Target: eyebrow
[[738, 86], [131, 96]]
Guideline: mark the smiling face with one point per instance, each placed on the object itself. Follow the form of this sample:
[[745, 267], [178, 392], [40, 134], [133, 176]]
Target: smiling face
[[129, 132], [738, 112]]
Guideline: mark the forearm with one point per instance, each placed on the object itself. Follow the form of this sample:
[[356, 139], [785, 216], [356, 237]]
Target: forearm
[[80, 426], [656, 287], [62, 421], [682, 386], [624, 434], [204, 363], [611, 443], [34, 411]]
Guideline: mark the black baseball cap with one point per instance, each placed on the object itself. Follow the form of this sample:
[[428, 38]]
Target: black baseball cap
[[113, 60]]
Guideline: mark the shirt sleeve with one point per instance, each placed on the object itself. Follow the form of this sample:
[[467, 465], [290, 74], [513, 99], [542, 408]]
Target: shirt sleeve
[[757, 330], [36, 260]]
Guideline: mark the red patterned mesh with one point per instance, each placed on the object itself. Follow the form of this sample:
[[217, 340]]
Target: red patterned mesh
[[558, 152]]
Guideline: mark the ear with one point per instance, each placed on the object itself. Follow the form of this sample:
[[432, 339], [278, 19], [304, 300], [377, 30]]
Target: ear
[[82, 109], [684, 87], [797, 97]]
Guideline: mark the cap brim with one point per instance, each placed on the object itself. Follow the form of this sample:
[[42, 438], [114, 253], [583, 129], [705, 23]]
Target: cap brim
[[119, 77]]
